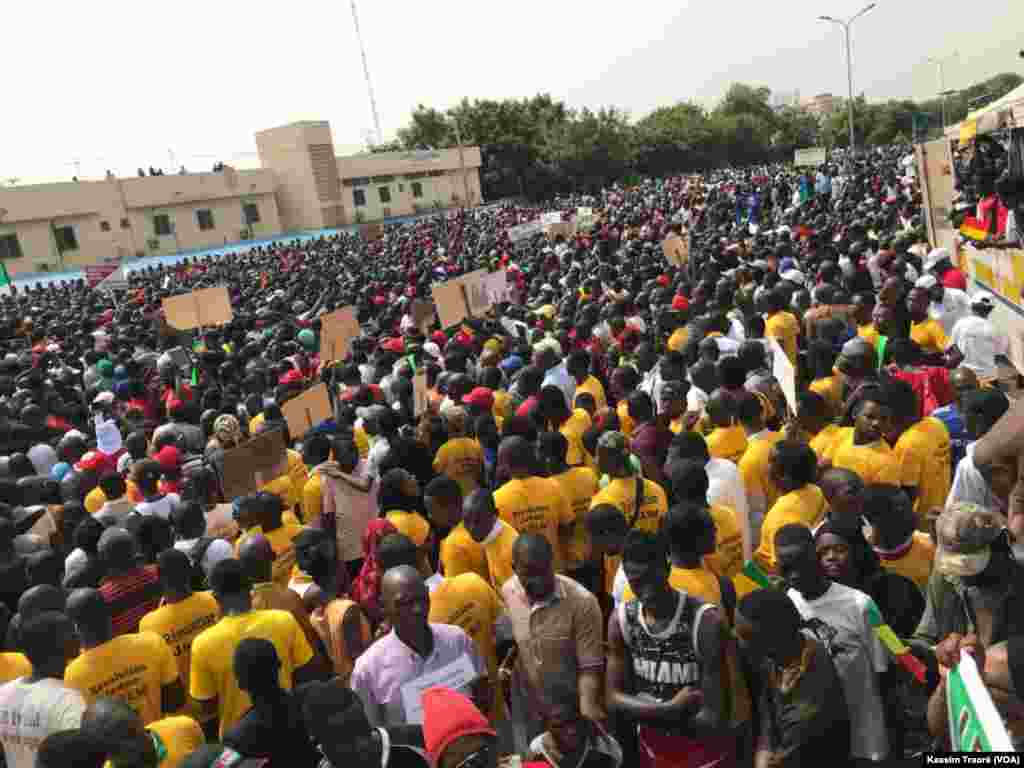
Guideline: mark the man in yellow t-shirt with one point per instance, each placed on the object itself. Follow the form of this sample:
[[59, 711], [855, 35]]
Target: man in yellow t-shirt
[[316, 450], [794, 467], [262, 513], [625, 487], [892, 531], [469, 602], [532, 504], [118, 730], [578, 365], [183, 614], [925, 331], [579, 484], [137, 668], [458, 552], [212, 681], [689, 481], [755, 465], [780, 324], [727, 439], [461, 458], [863, 449], [480, 516]]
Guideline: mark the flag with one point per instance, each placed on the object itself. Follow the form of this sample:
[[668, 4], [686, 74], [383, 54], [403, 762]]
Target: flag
[[5, 279], [753, 572], [973, 229], [974, 722], [894, 645]]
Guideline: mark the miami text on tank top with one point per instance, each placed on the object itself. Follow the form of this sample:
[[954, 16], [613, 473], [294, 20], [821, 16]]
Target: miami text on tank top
[[665, 662]]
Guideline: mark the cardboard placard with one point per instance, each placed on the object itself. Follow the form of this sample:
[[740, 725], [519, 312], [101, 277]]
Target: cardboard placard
[[524, 231], [478, 300], [784, 372], [450, 300], [307, 410], [254, 463], [337, 330], [563, 228], [497, 287], [198, 309], [420, 401], [423, 314], [810, 156], [676, 250]]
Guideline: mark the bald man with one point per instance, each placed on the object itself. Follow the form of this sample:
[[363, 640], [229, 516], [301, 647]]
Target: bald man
[[963, 380], [413, 649], [843, 490], [164, 743], [256, 555]]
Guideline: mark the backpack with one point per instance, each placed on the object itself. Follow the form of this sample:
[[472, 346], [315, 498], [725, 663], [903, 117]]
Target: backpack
[[199, 581]]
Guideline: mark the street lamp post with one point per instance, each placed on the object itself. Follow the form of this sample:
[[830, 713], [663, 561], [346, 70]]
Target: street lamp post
[[940, 63], [849, 63]]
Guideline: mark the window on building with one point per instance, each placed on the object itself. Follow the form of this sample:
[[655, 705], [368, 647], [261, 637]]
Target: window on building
[[417, 189], [66, 240], [125, 224], [385, 194], [359, 197], [10, 248], [162, 224], [251, 211], [383, 179], [104, 226], [204, 216], [358, 181]]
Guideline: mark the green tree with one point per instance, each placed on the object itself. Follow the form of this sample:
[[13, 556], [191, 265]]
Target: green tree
[[428, 128]]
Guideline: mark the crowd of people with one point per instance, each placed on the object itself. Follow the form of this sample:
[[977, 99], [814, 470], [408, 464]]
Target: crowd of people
[[647, 514]]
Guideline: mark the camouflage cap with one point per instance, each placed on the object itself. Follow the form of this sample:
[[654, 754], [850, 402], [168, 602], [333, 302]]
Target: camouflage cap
[[964, 528], [615, 442]]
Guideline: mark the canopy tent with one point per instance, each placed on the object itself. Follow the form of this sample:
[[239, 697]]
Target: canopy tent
[[1009, 110]]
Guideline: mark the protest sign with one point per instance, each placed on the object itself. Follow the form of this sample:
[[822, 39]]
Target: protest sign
[[584, 212], [337, 330], [254, 463], [524, 231], [422, 314], [676, 250], [497, 286], [974, 722], [420, 400], [785, 374], [198, 309], [455, 676], [477, 298], [810, 156], [450, 300], [307, 410], [563, 228], [552, 217]]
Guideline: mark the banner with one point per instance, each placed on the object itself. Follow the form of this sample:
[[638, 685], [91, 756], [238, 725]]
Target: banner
[[198, 309], [337, 330], [974, 722], [525, 231], [812, 156]]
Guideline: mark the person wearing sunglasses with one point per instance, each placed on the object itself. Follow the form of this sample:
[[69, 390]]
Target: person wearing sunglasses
[[456, 733]]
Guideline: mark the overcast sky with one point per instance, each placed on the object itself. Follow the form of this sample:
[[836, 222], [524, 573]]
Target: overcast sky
[[117, 84]]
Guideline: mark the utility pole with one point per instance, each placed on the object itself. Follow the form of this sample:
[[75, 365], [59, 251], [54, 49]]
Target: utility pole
[[462, 163], [366, 74], [849, 64], [940, 63]]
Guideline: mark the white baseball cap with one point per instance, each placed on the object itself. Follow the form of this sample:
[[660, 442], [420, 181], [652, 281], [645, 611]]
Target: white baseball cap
[[983, 298]]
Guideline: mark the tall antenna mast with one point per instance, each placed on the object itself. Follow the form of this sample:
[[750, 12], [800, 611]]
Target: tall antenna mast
[[366, 72]]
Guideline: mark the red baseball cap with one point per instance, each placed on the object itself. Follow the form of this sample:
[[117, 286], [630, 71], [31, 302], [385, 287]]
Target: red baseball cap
[[481, 397], [168, 457]]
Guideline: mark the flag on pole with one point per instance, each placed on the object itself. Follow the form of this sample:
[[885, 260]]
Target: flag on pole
[[894, 645]]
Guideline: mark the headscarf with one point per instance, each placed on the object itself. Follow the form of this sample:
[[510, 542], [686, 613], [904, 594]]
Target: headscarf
[[227, 430], [366, 587]]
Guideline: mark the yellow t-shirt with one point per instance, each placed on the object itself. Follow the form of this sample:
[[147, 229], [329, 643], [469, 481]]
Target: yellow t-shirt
[[626, 423], [754, 467], [281, 486], [133, 668], [461, 459], [823, 442], [870, 334], [213, 675], [500, 409], [727, 443], [535, 505], [727, 559], [784, 328], [499, 556], [916, 563], [282, 542], [362, 441], [469, 602], [678, 339], [579, 486], [312, 503], [298, 472], [593, 386], [573, 430], [13, 666], [621, 493], [929, 335], [806, 506], [94, 500], [874, 463], [180, 736], [410, 524], [461, 554], [180, 623], [830, 388], [924, 455]]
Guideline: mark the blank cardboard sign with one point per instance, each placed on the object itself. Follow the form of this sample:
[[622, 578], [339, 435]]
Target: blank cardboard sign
[[198, 309], [307, 410], [254, 463], [450, 301], [337, 330], [478, 300], [420, 399]]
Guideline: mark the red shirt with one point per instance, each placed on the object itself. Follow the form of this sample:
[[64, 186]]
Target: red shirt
[[954, 278], [131, 596]]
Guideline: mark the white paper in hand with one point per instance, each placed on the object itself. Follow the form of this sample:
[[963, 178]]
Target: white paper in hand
[[457, 676]]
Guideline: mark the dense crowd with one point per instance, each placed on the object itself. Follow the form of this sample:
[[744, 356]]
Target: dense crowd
[[648, 513]]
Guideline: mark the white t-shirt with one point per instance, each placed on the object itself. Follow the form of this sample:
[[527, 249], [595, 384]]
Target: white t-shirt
[[217, 550], [859, 656], [29, 712], [954, 307], [970, 485], [161, 508], [980, 341]]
